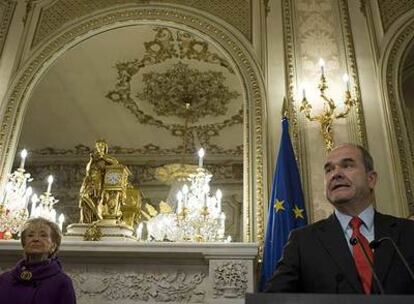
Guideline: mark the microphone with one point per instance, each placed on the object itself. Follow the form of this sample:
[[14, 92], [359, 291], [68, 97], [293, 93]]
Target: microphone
[[375, 243], [354, 241]]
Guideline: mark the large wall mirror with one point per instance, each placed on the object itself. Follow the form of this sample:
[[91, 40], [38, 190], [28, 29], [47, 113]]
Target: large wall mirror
[[156, 94], [156, 91]]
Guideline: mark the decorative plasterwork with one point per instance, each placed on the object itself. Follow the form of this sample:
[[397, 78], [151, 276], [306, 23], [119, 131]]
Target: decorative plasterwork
[[230, 280], [204, 92], [403, 144], [237, 48], [149, 149], [179, 91], [235, 12], [6, 13], [390, 10], [177, 287]]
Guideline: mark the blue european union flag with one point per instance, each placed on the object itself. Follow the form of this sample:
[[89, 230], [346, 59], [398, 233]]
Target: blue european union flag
[[286, 206]]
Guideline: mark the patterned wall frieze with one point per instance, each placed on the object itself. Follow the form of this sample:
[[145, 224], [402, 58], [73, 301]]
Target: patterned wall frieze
[[116, 272], [177, 287], [235, 12], [391, 10], [148, 150], [71, 174], [246, 65], [398, 117], [230, 280], [6, 14]]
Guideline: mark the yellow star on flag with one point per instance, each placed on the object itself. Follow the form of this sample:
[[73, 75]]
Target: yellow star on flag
[[298, 212], [279, 205]]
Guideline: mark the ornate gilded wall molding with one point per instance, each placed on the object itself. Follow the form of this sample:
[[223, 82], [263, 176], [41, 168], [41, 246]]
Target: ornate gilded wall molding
[[6, 14], [235, 12], [356, 121], [390, 10], [395, 109], [149, 149], [233, 44], [363, 7]]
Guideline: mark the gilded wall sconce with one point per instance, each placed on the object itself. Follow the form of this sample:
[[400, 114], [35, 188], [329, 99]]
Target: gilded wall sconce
[[330, 109]]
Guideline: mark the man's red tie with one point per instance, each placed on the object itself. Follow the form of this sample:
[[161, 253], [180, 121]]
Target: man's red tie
[[361, 263]]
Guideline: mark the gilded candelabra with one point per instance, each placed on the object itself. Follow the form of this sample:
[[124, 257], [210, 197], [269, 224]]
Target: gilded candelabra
[[329, 112]]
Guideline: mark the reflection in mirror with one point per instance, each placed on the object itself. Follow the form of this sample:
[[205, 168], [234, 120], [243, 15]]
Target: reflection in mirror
[[156, 95]]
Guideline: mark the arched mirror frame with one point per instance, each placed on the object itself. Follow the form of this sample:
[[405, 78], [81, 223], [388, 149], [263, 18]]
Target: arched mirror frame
[[230, 41], [399, 39]]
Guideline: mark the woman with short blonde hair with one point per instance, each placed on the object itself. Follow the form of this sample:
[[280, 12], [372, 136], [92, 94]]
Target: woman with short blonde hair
[[38, 278]]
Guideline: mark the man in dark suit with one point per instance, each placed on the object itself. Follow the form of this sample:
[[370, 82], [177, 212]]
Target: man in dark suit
[[320, 258]]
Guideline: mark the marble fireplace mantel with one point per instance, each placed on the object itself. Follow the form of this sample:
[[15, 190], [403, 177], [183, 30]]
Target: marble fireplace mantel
[[131, 272]]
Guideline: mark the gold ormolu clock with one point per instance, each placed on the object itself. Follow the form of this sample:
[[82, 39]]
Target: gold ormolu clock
[[116, 177]]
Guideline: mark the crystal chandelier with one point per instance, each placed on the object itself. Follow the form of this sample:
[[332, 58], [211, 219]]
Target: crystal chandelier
[[43, 206], [198, 216], [14, 203]]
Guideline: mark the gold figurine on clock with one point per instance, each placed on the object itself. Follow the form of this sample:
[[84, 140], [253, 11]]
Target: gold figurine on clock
[[105, 195]]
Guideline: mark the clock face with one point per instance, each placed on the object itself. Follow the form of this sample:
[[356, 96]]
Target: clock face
[[113, 178]]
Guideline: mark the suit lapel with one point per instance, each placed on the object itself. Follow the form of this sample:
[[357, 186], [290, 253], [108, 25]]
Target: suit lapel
[[384, 227], [332, 238]]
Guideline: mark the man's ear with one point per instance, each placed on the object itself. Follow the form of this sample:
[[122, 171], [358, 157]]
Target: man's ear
[[372, 179]]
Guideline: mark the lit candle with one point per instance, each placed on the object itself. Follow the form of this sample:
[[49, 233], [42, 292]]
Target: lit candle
[[185, 192], [139, 231], [346, 80], [149, 231], [49, 183], [179, 201], [53, 215], [201, 154], [206, 190], [23, 156], [219, 195], [322, 65], [28, 193], [61, 220], [222, 222], [8, 193], [35, 199]]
